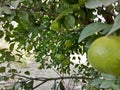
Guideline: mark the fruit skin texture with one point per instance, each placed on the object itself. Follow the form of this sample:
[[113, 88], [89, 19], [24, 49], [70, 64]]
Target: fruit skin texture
[[104, 55]]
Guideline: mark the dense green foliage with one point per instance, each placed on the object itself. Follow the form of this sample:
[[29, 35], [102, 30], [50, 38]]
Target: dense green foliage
[[45, 26]]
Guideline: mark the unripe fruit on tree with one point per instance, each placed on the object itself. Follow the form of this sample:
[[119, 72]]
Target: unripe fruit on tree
[[68, 43], [55, 26], [59, 56], [104, 55]]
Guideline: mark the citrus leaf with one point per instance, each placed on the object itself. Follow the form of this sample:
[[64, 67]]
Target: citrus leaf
[[27, 72], [96, 82], [108, 77], [98, 3], [11, 46], [115, 26], [61, 86], [106, 84], [107, 29], [115, 87], [63, 13], [108, 2], [93, 4], [70, 21], [24, 15], [82, 2], [14, 4], [91, 29], [6, 10], [67, 11]]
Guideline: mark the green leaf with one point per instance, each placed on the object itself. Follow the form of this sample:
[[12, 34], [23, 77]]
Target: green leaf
[[108, 77], [93, 4], [67, 11], [24, 15], [96, 82], [29, 85], [98, 3], [82, 2], [91, 29], [1, 33], [27, 72], [106, 84], [61, 86], [115, 87], [115, 26], [107, 29], [14, 4], [6, 9], [13, 71], [63, 13], [70, 21], [108, 2], [2, 69], [11, 46]]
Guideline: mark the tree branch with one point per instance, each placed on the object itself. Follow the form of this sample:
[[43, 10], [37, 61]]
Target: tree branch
[[56, 78], [44, 79]]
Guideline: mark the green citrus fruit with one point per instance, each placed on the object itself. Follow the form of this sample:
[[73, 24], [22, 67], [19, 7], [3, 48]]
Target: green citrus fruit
[[104, 55], [60, 56], [68, 43], [55, 26]]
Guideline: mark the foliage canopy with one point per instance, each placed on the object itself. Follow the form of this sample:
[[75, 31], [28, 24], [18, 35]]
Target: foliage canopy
[[43, 27]]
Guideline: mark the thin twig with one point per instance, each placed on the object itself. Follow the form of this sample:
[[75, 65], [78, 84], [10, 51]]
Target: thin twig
[[39, 84]]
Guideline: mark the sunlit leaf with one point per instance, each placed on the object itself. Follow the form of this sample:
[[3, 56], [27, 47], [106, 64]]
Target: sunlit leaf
[[108, 2], [91, 29], [6, 9], [11, 46], [14, 4], [98, 3], [93, 4]]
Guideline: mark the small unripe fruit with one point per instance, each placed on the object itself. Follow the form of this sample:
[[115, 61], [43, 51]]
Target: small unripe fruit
[[68, 43], [55, 26], [60, 56]]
